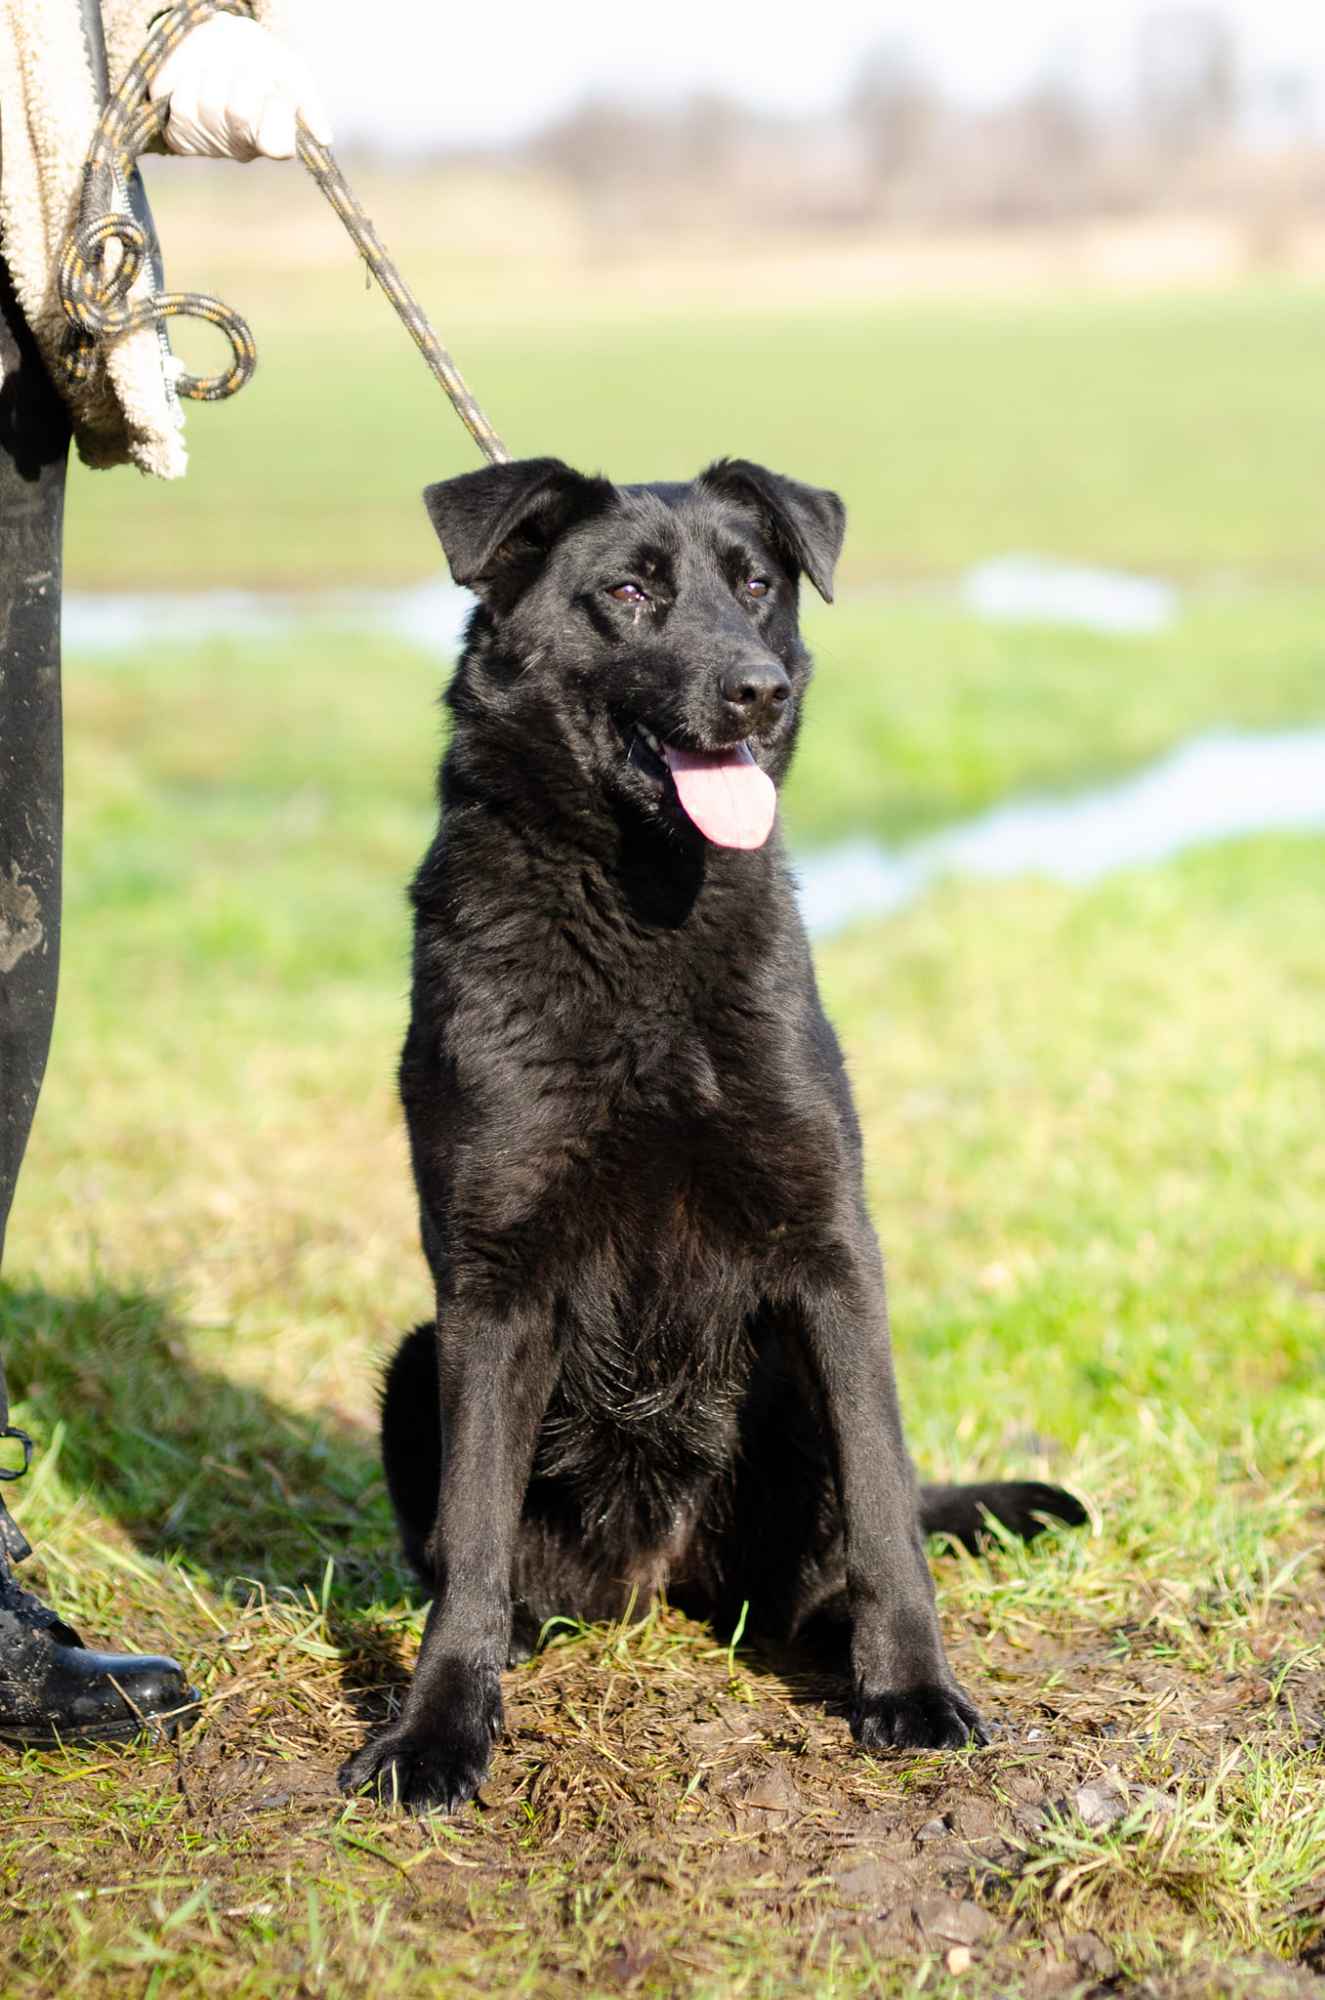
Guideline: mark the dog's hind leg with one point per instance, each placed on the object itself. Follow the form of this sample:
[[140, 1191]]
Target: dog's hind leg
[[412, 1442], [780, 1541], [1022, 1506]]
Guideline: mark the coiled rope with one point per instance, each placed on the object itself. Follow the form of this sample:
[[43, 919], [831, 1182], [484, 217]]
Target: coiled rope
[[95, 285]]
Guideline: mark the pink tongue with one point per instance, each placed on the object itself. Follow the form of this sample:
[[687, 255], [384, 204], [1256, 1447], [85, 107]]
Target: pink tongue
[[729, 798]]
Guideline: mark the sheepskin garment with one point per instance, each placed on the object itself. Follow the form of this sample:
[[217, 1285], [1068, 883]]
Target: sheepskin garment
[[126, 413]]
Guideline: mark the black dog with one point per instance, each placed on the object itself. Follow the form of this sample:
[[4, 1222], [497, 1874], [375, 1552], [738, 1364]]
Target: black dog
[[661, 1350]]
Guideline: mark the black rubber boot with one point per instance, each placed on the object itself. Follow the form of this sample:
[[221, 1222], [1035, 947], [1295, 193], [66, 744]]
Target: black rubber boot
[[53, 1689]]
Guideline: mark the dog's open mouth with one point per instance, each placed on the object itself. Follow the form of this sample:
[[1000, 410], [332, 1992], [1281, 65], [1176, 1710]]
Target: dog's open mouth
[[724, 792]]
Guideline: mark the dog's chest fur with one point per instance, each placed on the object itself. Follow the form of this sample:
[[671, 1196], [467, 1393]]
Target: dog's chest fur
[[623, 1137]]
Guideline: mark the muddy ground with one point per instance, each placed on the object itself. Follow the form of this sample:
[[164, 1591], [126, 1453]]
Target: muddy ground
[[665, 1816]]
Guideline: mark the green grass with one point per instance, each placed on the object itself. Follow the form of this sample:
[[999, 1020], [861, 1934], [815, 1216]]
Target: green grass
[[1095, 1147], [921, 714], [1172, 433], [1105, 1264]]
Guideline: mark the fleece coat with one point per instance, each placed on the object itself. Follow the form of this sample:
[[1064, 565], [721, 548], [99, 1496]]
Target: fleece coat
[[127, 412]]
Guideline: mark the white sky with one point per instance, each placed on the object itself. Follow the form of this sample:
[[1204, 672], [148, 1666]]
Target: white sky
[[426, 71]]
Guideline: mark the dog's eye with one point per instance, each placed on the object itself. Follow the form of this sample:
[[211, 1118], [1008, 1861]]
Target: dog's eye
[[757, 586], [628, 593]]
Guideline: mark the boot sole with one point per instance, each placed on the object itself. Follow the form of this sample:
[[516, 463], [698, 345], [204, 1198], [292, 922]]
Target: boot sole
[[168, 1725]]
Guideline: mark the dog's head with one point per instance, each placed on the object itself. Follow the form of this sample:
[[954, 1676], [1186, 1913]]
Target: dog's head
[[651, 631]]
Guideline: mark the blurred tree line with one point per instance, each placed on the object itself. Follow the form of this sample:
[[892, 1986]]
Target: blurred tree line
[[1192, 130]]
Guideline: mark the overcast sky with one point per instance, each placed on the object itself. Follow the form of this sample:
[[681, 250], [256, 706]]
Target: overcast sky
[[430, 71]]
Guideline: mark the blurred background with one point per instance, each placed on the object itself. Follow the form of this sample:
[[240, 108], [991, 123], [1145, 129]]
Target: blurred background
[[1039, 279]]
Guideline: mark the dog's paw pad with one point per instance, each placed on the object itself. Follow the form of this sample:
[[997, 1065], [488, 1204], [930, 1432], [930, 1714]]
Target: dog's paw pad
[[919, 1718], [418, 1774]]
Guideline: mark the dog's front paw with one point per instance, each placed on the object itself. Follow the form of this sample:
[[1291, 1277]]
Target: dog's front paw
[[423, 1766], [420, 1773], [919, 1718]]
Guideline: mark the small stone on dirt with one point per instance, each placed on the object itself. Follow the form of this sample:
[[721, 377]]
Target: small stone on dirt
[[952, 1922], [771, 1800], [958, 1960], [1047, 1981], [976, 1820], [1026, 1790], [717, 1732], [869, 1878], [1100, 1804]]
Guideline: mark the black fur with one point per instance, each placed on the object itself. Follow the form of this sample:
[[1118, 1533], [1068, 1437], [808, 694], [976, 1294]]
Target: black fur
[[660, 1353]]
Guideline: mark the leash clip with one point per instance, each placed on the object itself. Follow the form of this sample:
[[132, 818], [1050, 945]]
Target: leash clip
[[8, 1472]]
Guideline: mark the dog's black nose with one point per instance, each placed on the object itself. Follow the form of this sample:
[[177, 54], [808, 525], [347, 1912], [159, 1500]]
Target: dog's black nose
[[757, 688]]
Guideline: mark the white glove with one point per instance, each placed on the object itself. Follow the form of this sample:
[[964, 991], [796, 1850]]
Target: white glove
[[234, 91]]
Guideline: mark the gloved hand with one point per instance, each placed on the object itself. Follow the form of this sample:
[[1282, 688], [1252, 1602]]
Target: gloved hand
[[234, 90]]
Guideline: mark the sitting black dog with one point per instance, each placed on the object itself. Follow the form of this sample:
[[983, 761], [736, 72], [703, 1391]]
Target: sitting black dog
[[661, 1351]]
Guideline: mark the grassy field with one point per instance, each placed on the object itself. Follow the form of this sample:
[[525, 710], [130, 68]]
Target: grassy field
[[1177, 433], [1095, 1122]]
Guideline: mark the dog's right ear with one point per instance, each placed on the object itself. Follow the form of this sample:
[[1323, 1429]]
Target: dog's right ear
[[487, 521], [808, 521]]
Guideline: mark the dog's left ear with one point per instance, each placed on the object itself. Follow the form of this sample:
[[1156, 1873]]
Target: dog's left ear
[[490, 519], [808, 521]]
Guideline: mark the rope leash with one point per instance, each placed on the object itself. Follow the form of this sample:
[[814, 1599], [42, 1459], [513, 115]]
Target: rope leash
[[96, 300]]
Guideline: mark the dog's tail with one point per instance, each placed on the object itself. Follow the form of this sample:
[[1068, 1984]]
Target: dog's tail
[[412, 1441], [1023, 1506]]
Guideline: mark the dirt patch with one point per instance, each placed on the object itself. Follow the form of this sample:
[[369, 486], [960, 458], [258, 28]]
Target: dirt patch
[[659, 1808]]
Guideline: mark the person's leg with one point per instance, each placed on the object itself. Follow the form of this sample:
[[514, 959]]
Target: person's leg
[[34, 445], [52, 1687]]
